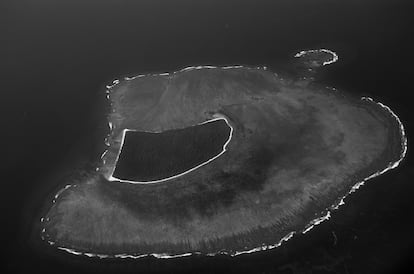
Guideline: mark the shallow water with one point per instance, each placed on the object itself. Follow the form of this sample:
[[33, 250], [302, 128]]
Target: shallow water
[[58, 68]]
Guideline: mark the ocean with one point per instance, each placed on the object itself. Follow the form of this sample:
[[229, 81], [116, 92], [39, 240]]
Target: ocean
[[58, 57]]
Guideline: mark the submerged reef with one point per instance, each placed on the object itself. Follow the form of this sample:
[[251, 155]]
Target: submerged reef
[[297, 149]]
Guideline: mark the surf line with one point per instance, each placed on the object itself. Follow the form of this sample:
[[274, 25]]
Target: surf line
[[224, 149]]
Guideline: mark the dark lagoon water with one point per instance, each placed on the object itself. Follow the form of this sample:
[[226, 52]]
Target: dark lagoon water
[[58, 56]]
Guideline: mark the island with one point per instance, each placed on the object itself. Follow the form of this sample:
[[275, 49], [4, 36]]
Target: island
[[221, 160], [148, 157]]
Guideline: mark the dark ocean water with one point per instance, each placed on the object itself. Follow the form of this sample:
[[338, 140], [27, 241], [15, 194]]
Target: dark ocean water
[[57, 57]]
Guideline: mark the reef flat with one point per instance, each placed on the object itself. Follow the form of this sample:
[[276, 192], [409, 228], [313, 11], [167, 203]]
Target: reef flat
[[297, 149]]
